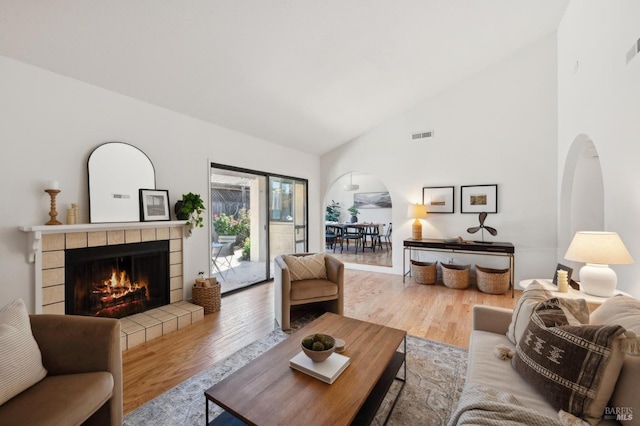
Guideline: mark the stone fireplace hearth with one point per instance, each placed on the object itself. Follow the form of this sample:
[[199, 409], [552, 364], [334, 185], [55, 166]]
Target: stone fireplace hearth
[[47, 251]]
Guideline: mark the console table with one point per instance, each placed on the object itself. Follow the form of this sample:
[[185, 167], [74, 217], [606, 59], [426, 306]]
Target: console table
[[488, 249]]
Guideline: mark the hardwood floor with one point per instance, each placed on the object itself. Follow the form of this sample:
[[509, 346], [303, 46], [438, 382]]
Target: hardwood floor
[[430, 311]]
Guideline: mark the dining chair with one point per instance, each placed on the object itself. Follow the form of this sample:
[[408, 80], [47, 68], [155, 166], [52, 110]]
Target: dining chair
[[353, 233], [333, 236], [386, 237], [372, 234]]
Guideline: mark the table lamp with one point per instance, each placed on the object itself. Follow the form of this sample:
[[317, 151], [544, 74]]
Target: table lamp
[[417, 212], [598, 250]]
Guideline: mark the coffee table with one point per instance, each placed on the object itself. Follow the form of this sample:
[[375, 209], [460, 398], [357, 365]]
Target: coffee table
[[267, 391]]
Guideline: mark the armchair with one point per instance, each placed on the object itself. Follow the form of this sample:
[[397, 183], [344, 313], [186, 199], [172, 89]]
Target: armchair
[[290, 293], [84, 381]]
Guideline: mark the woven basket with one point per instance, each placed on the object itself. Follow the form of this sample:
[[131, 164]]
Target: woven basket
[[424, 272], [207, 297], [492, 281], [455, 276]]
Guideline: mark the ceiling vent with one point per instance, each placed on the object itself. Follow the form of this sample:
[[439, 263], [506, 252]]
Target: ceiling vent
[[422, 135]]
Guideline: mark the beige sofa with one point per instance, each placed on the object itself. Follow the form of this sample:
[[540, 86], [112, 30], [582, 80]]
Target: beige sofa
[[84, 374], [490, 328], [313, 283]]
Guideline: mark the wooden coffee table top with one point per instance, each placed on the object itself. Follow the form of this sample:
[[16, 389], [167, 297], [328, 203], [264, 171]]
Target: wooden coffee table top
[[267, 391]]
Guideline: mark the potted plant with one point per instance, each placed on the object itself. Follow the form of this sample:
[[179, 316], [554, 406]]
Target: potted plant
[[333, 212], [190, 208], [354, 213]]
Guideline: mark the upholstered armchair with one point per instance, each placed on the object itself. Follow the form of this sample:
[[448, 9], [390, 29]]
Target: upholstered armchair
[[305, 278], [83, 384]]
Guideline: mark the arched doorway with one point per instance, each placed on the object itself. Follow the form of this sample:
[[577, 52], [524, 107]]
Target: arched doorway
[[368, 186], [581, 193]]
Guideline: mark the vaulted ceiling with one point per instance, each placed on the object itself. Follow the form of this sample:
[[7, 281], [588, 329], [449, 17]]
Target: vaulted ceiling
[[307, 74]]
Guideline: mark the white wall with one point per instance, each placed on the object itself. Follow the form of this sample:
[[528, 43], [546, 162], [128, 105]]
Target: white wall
[[498, 127], [599, 96], [49, 124]]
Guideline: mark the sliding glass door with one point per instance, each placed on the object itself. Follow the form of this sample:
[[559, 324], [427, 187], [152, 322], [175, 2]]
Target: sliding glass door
[[254, 217]]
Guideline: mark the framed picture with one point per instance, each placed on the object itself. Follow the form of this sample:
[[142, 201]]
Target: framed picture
[[372, 200], [438, 199], [562, 267], [154, 205], [479, 198]]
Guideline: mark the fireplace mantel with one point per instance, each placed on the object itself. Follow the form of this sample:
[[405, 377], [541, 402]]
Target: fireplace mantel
[[46, 245], [36, 232]]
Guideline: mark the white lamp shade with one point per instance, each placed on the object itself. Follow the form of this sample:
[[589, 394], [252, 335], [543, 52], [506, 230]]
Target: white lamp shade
[[417, 211], [603, 248], [598, 250]]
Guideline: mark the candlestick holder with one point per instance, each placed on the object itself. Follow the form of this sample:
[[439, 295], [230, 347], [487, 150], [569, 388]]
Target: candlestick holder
[[53, 193]]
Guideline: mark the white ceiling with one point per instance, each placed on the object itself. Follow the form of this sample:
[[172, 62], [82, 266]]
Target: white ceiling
[[307, 74]]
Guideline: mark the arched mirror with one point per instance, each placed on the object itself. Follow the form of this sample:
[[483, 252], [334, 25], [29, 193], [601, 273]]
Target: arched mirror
[[117, 171]]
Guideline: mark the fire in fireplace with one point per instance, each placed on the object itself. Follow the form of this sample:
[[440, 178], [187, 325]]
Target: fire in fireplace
[[116, 281]]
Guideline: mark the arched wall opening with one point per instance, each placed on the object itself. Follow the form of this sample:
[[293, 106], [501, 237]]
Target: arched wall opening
[[581, 193], [368, 184]]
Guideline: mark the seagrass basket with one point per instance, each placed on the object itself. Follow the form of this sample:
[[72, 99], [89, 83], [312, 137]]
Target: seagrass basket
[[492, 281], [424, 272], [455, 276], [207, 297]]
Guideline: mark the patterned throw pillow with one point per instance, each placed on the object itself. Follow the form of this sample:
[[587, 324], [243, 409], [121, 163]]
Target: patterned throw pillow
[[531, 296], [306, 267], [574, 367], [20, 357]]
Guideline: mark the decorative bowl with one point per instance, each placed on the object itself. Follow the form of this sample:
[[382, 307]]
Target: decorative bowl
[[327, 342]]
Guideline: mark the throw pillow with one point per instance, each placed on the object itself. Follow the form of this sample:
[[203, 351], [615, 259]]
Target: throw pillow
[[531, 296], [20, 357], [306, 267], [574, 367], [624, 311]]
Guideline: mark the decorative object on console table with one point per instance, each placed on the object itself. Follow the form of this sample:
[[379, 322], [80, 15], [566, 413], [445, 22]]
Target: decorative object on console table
[[598, 250], [562, 267], [439, 199], [53, 189], [193, 207], [417, 212], [482, 217], [154, 205], [479, 198]]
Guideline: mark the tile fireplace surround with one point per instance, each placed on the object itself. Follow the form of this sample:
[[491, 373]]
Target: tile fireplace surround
[[48, 243]]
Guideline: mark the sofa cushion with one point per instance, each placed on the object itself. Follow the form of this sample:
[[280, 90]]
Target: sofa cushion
[[20, 358], [574, 367], [624, 311], [306, 267], [485, 368], [67, 399]]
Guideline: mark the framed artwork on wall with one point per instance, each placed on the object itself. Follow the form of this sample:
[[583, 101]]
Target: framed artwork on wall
[[154, 205], [372, 200], [438, 199], [479, 198]]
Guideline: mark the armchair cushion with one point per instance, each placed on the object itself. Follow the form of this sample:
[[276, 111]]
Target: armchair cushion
[[306, 267], [20, 357], [309, 289]]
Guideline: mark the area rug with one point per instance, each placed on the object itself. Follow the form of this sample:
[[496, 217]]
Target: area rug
[[435, 377]]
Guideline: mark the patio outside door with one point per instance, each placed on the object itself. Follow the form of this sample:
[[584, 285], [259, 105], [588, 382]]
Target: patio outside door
[[254, 217]]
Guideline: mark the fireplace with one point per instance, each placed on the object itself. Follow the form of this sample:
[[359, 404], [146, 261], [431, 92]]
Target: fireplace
[[118, 280]]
